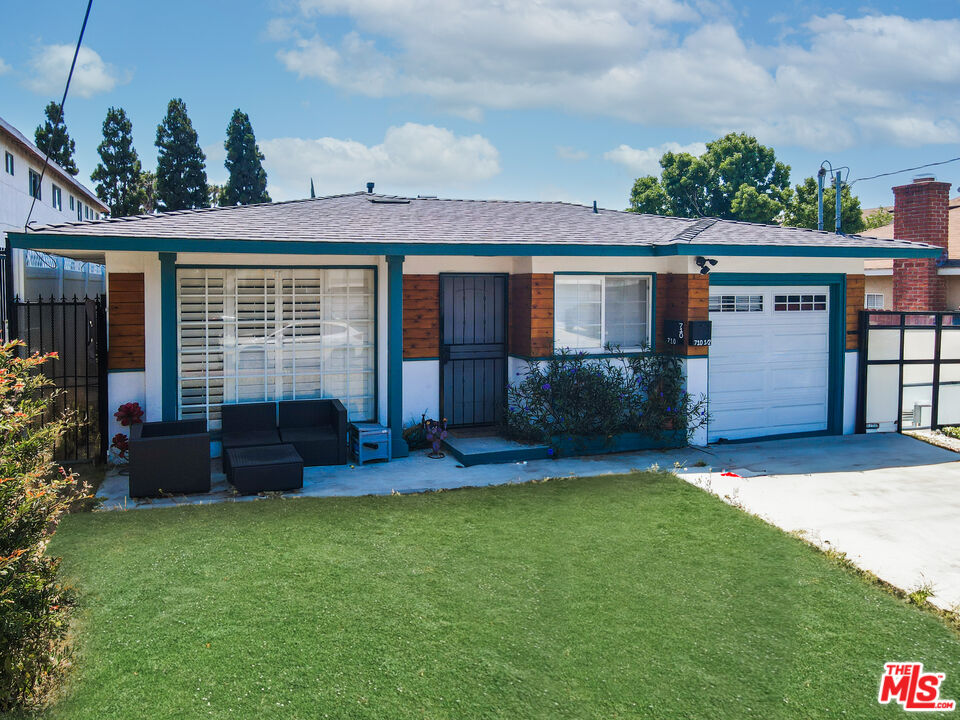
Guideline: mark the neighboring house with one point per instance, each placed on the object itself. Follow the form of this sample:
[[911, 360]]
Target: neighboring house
[[400, 306], [60, 198], [935, 221]]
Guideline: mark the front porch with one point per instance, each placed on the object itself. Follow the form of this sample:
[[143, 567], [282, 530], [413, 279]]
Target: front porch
[[415, 474]]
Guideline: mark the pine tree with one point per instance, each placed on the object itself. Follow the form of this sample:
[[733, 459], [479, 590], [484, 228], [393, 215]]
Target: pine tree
[[248, 180], [52, 138], [313, 192], [118, 173], [181, 177]]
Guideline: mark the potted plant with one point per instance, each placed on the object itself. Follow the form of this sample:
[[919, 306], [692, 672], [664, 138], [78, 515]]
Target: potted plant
[[435, 432], [127, 415]]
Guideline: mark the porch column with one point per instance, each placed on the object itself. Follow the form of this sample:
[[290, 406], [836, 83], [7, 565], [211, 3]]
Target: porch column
[[395, 354], [168, 333]]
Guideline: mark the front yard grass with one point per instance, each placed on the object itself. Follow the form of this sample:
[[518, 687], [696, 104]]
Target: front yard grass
[[618, 596]]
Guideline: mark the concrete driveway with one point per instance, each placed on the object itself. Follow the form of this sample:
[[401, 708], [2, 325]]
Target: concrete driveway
[[890, 502]]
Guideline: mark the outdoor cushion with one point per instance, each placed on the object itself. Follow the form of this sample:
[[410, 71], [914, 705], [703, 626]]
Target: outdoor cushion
[[171, 457], [249, 438], [317, 446], [249, 416]]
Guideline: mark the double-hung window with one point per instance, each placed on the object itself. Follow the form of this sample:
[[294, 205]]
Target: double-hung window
[[873, 301], [592, 312], [8, 162], [33, 184], [56, 197], [260, 335]]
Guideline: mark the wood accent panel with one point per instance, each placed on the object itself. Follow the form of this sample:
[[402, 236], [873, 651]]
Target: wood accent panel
[[681, 297], [531, 314], [421, 316], [125, 321], [856, 294]]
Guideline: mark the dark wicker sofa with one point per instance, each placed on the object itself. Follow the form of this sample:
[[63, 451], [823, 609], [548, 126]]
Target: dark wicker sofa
[[317, 429], [170, 457], [248, 425]]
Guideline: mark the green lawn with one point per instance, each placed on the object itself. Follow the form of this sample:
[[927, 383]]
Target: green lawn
[[625, 596]]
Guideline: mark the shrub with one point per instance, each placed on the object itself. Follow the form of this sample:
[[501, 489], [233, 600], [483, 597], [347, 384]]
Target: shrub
[[34, 493], [952, 431], [574, 394]]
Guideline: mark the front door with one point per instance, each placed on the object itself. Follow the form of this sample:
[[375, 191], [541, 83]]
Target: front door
[[473, 348]]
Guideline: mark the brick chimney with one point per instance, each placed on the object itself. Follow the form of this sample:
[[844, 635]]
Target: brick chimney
[[921, 213]]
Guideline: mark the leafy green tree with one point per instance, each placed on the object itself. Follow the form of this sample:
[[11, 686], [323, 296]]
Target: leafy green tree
[[248, 180], [52, 138], [148, 190], [181, 176], [215, 195], [737, 178], [118, 173], [801, 211], [878, 218]]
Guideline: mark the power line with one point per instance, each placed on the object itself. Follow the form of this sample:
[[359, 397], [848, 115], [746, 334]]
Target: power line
[[897, 172], [46, 160]]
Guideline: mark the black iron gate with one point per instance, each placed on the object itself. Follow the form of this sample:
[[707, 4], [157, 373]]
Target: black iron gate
[[909, 375], [77, 331], [473, 348]]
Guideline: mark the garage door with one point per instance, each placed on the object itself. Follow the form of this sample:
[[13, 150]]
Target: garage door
[[769, 360]]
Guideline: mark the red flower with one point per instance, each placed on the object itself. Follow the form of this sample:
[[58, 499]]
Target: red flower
[[129, 414]]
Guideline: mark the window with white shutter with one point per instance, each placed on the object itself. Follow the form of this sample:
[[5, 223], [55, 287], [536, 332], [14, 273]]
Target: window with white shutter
[[251, 335]]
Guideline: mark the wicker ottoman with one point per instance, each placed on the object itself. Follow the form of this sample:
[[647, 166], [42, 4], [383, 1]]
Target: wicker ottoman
[[265, 468]]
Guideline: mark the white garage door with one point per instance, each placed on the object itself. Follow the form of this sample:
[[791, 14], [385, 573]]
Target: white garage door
[[769, 360]]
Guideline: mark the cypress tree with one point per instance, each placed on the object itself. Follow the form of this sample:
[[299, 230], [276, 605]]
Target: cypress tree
[[248, 180], [52, 138], [181, 177], [118, 173]]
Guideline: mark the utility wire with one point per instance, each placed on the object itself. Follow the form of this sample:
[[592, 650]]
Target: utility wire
[[59, 119], [897, 172]]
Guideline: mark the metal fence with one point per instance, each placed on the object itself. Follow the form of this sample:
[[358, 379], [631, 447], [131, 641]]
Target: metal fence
[[909, 371], [77, 331]]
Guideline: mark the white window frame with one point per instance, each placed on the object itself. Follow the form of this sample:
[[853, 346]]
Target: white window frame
[[56, 196], [648, 321], [868, 306], [231, 328], [9, 163]]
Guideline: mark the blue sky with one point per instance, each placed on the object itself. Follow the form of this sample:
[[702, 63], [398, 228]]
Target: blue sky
[[557, 99]]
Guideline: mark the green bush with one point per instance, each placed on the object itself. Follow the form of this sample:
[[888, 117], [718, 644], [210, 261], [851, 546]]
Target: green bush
[[953, 431], [34, 494], [573, 394]]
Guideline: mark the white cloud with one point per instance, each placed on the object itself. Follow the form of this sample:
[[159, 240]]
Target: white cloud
[[413, 159], [646, 161], [4, 67], [50, 66], [565, 152], [836, 81]]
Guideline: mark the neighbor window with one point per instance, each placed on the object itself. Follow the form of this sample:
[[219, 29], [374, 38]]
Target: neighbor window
[[56, 197], [254, 335], [33, 184], [873, 301], [8, 163], [71, 202], [79, 210], [593, 312]]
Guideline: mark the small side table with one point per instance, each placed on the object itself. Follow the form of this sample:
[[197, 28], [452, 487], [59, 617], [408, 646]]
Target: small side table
[[369, 441]]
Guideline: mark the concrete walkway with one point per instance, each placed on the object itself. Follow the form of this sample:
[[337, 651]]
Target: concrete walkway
[[890, 502]]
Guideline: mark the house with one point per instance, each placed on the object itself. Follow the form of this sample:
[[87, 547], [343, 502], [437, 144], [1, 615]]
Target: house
[[59, 198], [399, 306], [923, 210]]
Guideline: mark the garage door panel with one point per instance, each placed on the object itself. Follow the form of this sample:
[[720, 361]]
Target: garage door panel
[[768, 370]]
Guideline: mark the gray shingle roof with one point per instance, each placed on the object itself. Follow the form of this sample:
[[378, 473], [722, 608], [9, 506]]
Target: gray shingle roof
[[362, 217]]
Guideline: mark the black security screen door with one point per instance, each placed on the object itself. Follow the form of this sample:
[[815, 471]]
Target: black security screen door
[[473, 348]]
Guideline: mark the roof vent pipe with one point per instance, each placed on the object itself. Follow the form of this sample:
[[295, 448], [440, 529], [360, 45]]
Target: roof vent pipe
[[595, 211], [369, 187]]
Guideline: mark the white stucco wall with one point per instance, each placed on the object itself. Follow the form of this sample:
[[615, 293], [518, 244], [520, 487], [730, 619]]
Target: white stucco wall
[[696, 371], [421, 390]]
